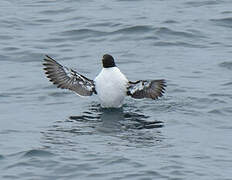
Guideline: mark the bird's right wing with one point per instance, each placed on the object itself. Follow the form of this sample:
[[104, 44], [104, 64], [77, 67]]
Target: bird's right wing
[[146, 89], [66, 78]]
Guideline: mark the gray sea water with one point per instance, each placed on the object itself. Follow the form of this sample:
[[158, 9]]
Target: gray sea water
[[48, 133]]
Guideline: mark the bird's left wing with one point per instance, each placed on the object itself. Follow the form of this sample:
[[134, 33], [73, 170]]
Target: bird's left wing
[[146, 89], [66, 78]]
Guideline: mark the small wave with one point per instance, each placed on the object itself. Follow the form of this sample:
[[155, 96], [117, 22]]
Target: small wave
[[5, 37], [222, 111], [58, 94], [57, 11], [178, 90], [89, 33], [135, 175], [202, 3], [228, 109], [225, 22], [19, 164], [10, 49], [37, 153], [10, 131], [4, 58], [56, 40], [149, 125], [104, 24], [84, 118], [170, 22], [216, 111], [116, 160], [207, 100], [226, 12], [227, 65], [221, 95], [83, 33], [44, 21], [181, 44], [4, 95], [164, 31], [132, 115], [227, 84], [1, 157], [133, 29]]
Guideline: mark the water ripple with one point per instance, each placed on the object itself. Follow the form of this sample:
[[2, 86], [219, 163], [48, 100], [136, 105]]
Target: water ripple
[[133, 29], [227, 65], [203, 3], [58, 11], [225, 22], [38, 153], [1, 157], [166, 32], [178, 43], [90, 33], [83, 33], [221, 95], [227, 84]]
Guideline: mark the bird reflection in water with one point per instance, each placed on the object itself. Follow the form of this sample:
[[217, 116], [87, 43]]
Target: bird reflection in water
[[128, 125], [117, 119]]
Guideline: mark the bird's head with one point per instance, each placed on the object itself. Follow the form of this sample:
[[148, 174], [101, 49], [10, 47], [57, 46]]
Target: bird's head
[[108, 61]]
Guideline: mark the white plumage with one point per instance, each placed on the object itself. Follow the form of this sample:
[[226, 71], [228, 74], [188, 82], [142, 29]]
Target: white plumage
[[111, 86]]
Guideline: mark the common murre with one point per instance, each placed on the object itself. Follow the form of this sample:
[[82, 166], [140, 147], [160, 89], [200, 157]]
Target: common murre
[[111, 86]]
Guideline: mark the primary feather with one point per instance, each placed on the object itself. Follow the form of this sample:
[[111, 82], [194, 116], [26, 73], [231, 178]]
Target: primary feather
[[146, 89], [66, 78]]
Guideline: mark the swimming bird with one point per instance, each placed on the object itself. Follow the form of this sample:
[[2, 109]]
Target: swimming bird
[[111, 85]]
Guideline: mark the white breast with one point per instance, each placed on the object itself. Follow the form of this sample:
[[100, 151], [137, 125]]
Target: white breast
[[111, 87]]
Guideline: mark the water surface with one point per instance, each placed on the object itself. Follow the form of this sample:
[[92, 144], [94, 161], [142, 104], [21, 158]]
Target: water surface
[[49, 133]]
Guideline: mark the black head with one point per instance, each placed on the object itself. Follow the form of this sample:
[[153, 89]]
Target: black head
[[108, 61]]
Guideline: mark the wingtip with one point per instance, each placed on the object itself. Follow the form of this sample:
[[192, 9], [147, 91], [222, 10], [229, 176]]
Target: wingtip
[[47, 57]]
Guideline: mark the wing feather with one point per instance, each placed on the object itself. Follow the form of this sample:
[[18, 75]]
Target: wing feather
[[146, 89], [66, 78]]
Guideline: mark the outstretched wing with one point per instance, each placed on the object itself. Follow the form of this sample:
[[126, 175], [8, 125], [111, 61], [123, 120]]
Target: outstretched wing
[[146, 89], [66, 78]]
